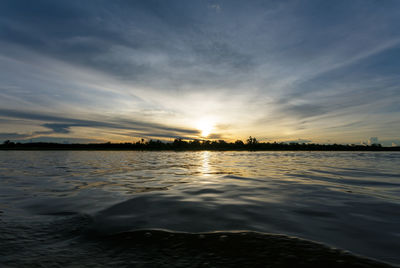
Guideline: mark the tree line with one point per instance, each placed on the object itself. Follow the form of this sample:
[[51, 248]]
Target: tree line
[[251, 144]]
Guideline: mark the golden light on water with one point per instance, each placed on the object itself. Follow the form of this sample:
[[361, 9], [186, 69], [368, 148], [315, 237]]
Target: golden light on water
[[205, 164]]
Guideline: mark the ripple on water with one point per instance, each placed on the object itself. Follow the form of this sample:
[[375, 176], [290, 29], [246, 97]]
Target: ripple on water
[[344, 199]]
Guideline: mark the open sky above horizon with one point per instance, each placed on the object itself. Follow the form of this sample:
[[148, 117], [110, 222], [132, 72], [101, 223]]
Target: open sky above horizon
[[308, 71]]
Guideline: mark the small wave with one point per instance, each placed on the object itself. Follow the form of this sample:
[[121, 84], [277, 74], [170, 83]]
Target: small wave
[[242, 178], [230, 249], [347, 181]]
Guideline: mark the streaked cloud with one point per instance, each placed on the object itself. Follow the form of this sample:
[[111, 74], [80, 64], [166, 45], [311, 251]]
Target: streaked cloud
[[321, 71], [59, 124]]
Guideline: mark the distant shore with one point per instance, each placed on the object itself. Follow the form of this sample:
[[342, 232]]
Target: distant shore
[[195, 145]]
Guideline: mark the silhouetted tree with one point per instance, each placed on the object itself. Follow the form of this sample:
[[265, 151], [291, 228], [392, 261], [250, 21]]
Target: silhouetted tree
[[206, 142], [252, 141], [239, 143], [195, 143], [376, 145]]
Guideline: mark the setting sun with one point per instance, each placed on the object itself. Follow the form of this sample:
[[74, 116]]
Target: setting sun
[[205, 126]]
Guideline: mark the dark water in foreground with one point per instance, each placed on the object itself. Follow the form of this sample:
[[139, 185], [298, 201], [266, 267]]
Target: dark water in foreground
[[105, 208]]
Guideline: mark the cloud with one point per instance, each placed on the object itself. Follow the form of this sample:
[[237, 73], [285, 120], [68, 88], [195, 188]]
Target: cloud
[[383, 142], [215, 7], [304, 110], [62, 125], [215, 136], [270, 68], [61, 140], [145, 46], [297, 141], [60, 128], [13, 136], [373, 140]]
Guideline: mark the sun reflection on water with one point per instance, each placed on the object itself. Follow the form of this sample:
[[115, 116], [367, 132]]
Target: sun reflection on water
[[205, 168]]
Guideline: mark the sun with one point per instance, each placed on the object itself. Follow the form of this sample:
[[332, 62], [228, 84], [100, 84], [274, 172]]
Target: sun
[[205, 126]]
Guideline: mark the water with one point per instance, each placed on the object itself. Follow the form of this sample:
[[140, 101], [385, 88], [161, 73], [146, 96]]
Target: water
[[84, 207]]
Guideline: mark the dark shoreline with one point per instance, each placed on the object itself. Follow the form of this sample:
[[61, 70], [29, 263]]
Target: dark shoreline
[[192, 146]]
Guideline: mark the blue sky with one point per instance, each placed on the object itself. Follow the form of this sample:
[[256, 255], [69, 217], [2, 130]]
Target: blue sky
[[321, 71]]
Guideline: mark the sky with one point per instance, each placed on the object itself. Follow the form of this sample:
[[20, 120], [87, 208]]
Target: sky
[[119, 71]]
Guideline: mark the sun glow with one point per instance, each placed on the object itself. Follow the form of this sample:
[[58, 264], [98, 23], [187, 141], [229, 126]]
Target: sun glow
[[205, 126]]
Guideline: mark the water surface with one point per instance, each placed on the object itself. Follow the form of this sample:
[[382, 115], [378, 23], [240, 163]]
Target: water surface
[[349, 200]]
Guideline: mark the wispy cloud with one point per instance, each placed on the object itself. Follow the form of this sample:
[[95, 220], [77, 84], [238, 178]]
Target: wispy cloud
[[215, 7], [271, 68], [62, 125]]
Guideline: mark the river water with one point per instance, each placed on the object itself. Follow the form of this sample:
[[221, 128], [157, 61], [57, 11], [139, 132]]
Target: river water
[[58, 207]]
